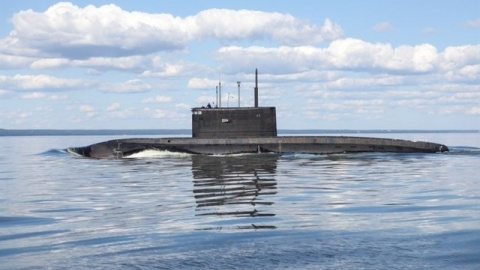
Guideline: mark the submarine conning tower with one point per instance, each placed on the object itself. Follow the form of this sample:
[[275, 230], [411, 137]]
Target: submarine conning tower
[[235, 122]]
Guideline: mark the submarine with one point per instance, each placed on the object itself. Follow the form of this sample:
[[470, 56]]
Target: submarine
[[235, 130]]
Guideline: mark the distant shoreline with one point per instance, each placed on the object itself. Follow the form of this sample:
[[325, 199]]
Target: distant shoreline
[[188, 132]]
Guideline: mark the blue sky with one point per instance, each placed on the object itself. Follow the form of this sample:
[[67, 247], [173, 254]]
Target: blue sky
[[323, 64]]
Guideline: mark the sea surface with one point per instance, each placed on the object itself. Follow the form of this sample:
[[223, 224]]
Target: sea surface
[[161, 210]]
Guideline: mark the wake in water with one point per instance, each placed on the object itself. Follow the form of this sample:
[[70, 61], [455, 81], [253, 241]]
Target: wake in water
[[55, 152], [464, 150]]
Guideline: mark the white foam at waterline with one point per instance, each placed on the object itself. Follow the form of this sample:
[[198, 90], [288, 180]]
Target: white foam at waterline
[[242, 154], [70, 151], [150, 153]]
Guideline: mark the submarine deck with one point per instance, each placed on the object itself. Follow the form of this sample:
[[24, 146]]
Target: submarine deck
[[281, 144]]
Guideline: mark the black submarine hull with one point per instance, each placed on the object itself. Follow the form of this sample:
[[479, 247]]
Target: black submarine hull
[[287, 144]]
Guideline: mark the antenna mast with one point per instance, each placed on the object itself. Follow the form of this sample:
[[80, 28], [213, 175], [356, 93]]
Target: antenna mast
[[256, 88], [219, 92], [238, 93], [216, 95]]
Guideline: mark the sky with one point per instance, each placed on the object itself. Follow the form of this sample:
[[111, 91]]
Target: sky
[[340, 64]]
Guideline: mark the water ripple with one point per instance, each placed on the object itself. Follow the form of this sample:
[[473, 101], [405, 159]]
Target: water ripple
[[290, 211]]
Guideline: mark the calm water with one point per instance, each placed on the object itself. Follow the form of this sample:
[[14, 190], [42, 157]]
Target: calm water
[[177, 211]]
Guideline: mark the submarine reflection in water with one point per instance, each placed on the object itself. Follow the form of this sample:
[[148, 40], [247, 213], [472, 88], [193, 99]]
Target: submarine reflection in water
[[235, 191]]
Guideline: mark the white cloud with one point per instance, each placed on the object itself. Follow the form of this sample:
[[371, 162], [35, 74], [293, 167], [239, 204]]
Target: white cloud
[[473, 110], [49, 63], [349, 55], [114, 110], [65, 31], [14, 61], [383, 27], [57, 97], [369, 102], [17, 117], [281, 60], [159, 113], [86, 108], [40, 82], [429, 30], [121, 113], [472, 23], [202, 83], [459, 56], [136, 63], [182, 106], [460, 98], [171, 69], [24, 114], [347, 106], [157, 99], [469, 73], [5, 93], [147, 65], [34, 95], [248, 24], [113, 107], [204, 100], [130, 86], [354, 53]]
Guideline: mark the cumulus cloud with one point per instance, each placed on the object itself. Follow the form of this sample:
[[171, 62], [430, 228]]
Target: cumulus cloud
[[57, 97], [115, 111], [369, 82], [136, 63], [383, 27], [40, 82], [67, 32], [429, 30], [88, 110], [459, 56], [163, 114], [354, 53], [173, 69], [201, 83], [113, 107], [14, 61], [34, 95], [182, 106], [467, 74], [350, 55], [472, 23], [248, 24], [473, 110], [130, 86], [5, 93], [157, 99]]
